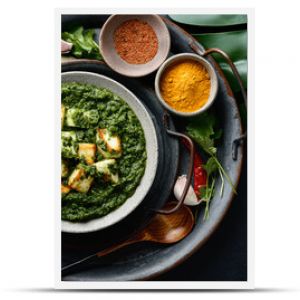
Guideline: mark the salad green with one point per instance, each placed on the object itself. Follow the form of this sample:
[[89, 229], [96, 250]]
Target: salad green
[[83, 42], [203, 129]]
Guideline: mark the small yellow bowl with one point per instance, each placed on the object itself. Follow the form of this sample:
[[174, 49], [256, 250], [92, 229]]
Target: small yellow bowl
[[183, 57]]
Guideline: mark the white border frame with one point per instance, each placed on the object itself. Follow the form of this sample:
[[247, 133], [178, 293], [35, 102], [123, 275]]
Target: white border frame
[[142, 285]]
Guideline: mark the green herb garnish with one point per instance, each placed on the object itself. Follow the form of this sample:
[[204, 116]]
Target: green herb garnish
[[202, 130], [206, 194], [83, 42]]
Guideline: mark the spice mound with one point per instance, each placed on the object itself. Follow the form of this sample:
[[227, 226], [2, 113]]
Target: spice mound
[[185, 86], [136, 42]]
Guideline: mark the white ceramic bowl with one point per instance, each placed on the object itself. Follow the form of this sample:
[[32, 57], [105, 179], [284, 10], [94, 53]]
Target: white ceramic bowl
[[151, 148], [213, 79]]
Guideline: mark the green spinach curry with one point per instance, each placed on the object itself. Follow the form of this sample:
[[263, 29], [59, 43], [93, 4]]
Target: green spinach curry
[[103, 152]]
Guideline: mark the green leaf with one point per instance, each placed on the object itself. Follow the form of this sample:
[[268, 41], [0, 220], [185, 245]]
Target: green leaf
[[211, 166], [224, 173], [242, 69], [201, 129], [210, 20], [207, 193], [83, 42], [234, 43]]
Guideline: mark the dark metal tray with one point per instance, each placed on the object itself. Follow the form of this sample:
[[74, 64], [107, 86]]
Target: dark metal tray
[[144, 261]]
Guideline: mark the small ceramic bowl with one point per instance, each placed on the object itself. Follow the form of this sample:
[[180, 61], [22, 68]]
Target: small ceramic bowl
[[112, 58], [213, 79]]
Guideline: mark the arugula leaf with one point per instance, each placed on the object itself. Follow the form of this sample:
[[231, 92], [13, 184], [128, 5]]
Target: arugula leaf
[[201, 129], [211, 166], [83, 42]]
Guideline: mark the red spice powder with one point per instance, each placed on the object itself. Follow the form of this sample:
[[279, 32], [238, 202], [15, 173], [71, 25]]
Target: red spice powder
[[136, 42]]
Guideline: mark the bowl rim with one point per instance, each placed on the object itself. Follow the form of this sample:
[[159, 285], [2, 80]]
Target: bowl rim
[[214, 79], [117, 215], [147, 71]]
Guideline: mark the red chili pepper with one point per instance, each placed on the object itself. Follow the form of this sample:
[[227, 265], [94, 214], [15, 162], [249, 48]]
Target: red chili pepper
[[200, 176]]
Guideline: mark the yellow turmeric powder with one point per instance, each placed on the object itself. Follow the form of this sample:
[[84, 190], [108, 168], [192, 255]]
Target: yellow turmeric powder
[[185, 86]]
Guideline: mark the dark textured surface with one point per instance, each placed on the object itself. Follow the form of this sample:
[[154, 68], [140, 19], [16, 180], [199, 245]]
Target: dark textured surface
[[223, 257]]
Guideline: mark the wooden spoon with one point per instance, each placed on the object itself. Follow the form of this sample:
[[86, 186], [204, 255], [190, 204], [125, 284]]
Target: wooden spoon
[[164, 229]]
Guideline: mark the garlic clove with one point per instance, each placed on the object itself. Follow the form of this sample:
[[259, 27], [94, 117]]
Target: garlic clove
[[65, 47], [191, 197]]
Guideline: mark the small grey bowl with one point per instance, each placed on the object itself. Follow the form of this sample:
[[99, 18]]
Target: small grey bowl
[[213, 79], [115, 62]]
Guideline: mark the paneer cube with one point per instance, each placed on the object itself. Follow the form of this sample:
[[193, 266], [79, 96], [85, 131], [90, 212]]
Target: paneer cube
[[65, 189], [103, 167], [79, 182], [108, 145], [113, 143], [87, 151]]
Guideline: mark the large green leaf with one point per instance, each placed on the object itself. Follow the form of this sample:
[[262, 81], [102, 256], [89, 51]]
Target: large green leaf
[[234, 43], [210, 20]]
